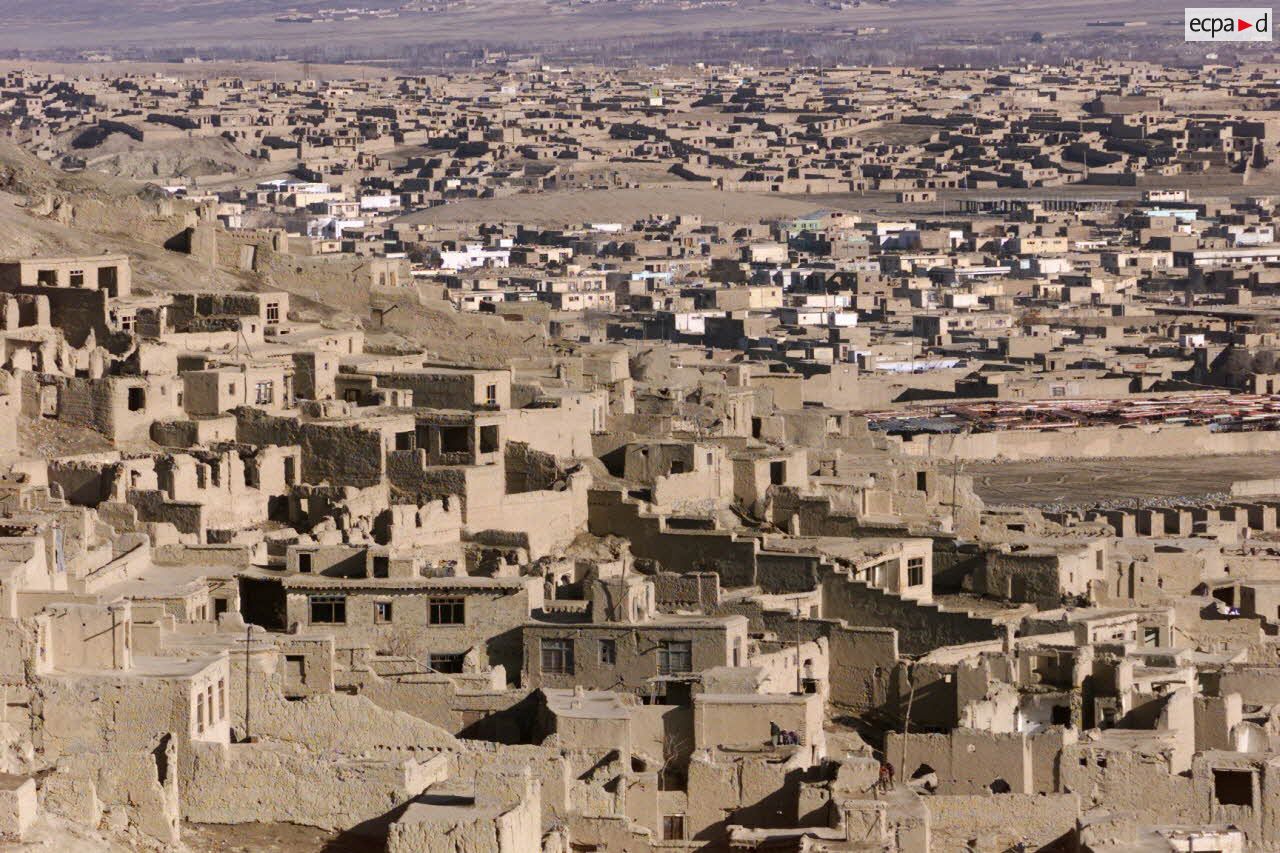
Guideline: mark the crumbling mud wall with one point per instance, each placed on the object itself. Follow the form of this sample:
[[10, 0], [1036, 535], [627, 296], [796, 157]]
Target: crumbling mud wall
[[270, 782], [921, 627], [1036, 818]]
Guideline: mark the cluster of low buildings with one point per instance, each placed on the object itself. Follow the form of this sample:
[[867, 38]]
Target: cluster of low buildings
[[523, 127], [704, 569]]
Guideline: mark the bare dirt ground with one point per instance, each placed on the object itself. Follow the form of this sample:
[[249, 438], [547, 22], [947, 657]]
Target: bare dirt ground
[[271, 838], [1216, 185], [247, 70], [1115, 481], [895, 134], [78, 25], [575, 208], [118, 154]]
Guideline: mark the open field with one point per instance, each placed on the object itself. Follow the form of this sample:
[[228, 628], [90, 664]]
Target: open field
[[576, 207], [949, 201], [571, 208], [248, 70], [118, 24], [1088, 482]]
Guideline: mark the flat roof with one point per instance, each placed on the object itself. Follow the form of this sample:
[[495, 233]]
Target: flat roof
[[324, 582], [587, 704], [150, 666], [158, 581]]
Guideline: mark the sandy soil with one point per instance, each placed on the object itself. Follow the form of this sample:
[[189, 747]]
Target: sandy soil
[[1088, 482]]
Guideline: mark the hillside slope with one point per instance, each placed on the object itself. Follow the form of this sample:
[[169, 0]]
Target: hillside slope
[[44, 211]]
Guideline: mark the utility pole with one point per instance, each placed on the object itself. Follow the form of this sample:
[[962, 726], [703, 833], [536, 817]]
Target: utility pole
[[248, 637], [906, 721], [799, 675], [955, 475]]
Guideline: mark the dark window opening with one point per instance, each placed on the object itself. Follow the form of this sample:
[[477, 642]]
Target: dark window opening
[[329, 609], [47, 278], [489, 439], [77, 278], [107, 280], [608, 652], [777, 473], [675, 656], [1060, 716], [406, 440], [304, 563], [382, 611], [915, 571], [557, 657], [381, 567], [1233, 787], [447, 611], [922, 481], [137, 399], [673, 827], [1000, 786], [453, 439], [673, 779], [446, 663]]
